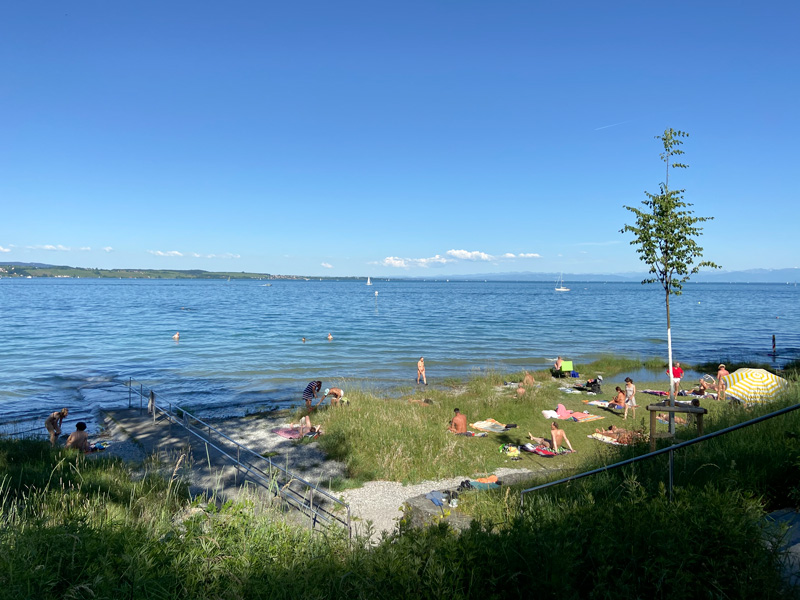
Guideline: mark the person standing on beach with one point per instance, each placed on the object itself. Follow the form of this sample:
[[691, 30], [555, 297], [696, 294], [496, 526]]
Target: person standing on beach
[[53, 424], [630, 398], [677, 375], [421, 370], [722, 385], [310, 393]]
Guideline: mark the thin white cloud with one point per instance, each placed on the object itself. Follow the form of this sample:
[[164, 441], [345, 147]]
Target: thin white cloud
[[451, 257], [5, 249], [327, 265], [467, 255], [225, 255], [50, 248], [405, 263], [609, 243], [108, 249], [612, 125], [85, 248]]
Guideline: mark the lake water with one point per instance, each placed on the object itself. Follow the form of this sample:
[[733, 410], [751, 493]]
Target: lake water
[[71, 342]]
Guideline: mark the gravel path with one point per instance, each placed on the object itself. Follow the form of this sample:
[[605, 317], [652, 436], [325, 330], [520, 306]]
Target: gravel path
[[381, 501]]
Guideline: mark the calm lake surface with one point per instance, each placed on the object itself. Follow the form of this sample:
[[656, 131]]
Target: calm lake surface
[[66, 342]]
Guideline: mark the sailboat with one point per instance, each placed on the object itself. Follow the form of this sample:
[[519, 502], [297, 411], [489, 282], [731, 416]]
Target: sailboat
[[368, 281], [560, 284]]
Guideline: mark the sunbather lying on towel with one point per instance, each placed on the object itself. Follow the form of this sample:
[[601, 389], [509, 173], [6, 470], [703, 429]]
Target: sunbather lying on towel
[[623, 436], [558, 436], [665, 417]]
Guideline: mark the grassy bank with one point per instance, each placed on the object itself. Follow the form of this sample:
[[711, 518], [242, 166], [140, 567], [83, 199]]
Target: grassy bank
[[405, 439], [92, 528]]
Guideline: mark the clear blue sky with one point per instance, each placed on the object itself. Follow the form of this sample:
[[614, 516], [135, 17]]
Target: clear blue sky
[[391, 138]]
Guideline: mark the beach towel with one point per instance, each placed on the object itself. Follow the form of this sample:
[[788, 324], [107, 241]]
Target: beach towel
[[655, 392], [481, 485], [289, 434], [569, 390], [585, 417], [563, 412], [549, 414], [600, 403], [605, 439], [489, 479], [489, 425]]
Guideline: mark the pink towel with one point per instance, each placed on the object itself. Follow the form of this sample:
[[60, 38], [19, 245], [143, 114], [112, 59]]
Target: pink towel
[[563, 413], [291, 434]]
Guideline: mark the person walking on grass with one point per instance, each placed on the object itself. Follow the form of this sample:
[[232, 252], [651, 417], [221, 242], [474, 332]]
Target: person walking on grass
[[630, 398], [53, 424], [310, 393], [421, 370]]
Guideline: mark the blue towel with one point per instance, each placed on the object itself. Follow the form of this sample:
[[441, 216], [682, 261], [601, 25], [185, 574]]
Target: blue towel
[[436, 497]]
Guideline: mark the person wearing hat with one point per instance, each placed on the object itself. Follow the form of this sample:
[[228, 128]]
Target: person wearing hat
[[336, 395], [722, 385]]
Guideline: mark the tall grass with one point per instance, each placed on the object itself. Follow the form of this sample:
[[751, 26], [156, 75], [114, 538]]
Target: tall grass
[[145, 541]]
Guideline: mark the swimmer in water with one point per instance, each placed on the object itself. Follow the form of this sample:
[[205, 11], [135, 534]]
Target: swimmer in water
[[304, 340], [330, 337], [177, 336]]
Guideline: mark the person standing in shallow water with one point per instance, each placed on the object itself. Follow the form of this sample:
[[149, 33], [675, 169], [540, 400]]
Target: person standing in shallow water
[[53, 424], [421, 370]]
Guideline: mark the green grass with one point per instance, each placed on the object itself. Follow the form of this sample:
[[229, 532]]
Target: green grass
[[400, 440], [608, 539], [72, 527]]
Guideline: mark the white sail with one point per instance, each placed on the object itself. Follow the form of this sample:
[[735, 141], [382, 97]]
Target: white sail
[[368, 281]]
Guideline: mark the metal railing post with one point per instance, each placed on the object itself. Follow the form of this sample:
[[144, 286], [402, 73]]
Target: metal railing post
[[130, 391], [141, 393], [671, 472]]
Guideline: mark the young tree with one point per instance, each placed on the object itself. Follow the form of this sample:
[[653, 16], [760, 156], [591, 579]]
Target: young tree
[[664, 234]]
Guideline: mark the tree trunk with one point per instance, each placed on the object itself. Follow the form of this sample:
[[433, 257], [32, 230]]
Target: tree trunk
[[669, 372]]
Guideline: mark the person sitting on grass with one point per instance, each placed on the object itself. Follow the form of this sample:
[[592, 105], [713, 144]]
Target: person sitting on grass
[[528, 379], [701, 389], [558, 436], [619, 399], [458, 424], [79, 439]]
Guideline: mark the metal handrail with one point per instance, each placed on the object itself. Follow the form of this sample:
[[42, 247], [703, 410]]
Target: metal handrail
[[265, 475], [649, 455]]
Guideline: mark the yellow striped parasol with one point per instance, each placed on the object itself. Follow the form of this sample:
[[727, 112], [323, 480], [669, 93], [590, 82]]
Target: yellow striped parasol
[[753, 385]]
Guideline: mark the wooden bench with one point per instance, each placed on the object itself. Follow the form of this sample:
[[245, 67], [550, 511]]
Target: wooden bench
[[664, 406]]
